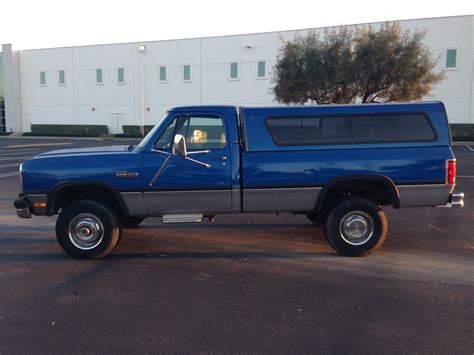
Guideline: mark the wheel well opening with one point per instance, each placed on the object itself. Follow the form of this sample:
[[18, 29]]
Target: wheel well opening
[[99, 194], [375, 191]]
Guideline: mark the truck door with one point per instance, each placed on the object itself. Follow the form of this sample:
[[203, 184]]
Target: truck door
[[185, 186]]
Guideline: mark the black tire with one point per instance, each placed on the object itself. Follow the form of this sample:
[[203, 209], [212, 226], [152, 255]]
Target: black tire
[[361, 239], [86, 216], [131, 222]]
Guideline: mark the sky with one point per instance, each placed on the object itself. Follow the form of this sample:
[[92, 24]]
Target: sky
[[29, 24]]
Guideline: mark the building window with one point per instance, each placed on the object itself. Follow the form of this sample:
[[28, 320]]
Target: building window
[[62, 77], [187, 73], [234, 71], [451, 58], [261, 70], [163, 74], [42, 78], [121, 75], [98, 76]]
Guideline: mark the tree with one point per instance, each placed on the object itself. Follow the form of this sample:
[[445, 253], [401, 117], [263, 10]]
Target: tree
[[355, 65]]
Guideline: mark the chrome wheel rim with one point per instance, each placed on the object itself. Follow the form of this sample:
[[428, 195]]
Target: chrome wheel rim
[[85, 231], [356, 227]]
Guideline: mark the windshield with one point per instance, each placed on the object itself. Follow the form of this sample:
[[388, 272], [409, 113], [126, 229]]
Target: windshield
[[144, 142]]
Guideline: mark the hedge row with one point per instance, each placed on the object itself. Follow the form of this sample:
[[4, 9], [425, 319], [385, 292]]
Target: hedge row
[[462, 132], [133, 131], [64, 130]]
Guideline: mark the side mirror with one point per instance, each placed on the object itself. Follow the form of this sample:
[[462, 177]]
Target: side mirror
[[179, 145]]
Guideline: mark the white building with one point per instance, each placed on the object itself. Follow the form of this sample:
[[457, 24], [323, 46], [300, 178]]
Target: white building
[[117, 84]]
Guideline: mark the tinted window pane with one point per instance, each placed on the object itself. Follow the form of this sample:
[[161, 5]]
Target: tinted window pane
[[43, 78], [451, 58], [162, 73], [187, 72], [261, 69], [120, 75], [98, 75], [392, 128], [310, 131], [234, 70], [62, 78]]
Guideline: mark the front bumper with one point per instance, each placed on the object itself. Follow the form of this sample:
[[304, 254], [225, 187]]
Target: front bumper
[[34, 204], [22, 207]]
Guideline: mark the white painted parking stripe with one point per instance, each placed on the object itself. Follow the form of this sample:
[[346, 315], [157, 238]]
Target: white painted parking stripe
[[36, 145], [21, 152], [8, 174], [470, 148], [15, 158], [465, 176], [9, 166]]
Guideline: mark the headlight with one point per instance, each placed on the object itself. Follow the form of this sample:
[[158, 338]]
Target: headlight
[[21, 173]]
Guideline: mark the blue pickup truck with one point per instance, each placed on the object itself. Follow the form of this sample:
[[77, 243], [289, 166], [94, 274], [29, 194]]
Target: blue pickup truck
[[336, 164]]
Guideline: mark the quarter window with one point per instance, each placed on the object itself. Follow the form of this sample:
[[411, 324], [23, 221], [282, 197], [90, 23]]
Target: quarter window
[[310, 130], [392, 128]]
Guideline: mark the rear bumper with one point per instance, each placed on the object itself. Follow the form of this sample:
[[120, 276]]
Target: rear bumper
[[457, 200]]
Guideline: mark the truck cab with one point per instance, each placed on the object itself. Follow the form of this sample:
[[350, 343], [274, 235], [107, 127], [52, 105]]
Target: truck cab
[[336, 164]]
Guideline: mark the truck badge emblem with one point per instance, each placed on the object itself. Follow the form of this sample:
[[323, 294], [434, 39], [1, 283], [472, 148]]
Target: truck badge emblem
[[126, 174]]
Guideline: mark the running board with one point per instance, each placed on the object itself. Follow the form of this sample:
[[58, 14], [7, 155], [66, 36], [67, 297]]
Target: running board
[[181, 218]]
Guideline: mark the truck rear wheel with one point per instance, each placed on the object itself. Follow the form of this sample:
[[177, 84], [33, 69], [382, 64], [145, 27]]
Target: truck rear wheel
[[88, 230], [356, 227]]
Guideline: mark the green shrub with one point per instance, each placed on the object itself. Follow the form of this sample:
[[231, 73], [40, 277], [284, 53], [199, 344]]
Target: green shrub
[[130, 131], [64, 130], [462, 132]]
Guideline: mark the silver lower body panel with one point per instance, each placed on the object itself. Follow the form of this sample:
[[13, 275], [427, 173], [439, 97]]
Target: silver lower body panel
[[424, 195], [280, 199]]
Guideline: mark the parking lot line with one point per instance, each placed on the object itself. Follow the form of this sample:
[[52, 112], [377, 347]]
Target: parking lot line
[[9, 174], [36, 145], [21, 152], [15, 158], [9, 166]]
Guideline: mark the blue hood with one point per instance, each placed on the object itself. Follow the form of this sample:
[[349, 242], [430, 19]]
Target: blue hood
[[86, 151]]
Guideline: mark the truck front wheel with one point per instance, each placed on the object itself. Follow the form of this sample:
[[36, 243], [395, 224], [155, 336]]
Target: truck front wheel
[[88, 230], [356, 227]]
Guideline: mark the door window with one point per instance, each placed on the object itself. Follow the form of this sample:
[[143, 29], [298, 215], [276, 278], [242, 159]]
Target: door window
[[200, 133]]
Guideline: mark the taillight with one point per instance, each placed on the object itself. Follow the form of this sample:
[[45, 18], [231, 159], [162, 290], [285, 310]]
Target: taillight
[[451, 172]]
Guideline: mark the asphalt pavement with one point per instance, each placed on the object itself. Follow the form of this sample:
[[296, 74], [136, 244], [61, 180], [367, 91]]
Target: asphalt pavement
[[243, 284]]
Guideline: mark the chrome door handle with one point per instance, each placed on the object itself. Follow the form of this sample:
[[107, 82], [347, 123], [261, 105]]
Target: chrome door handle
[[220, 158]]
